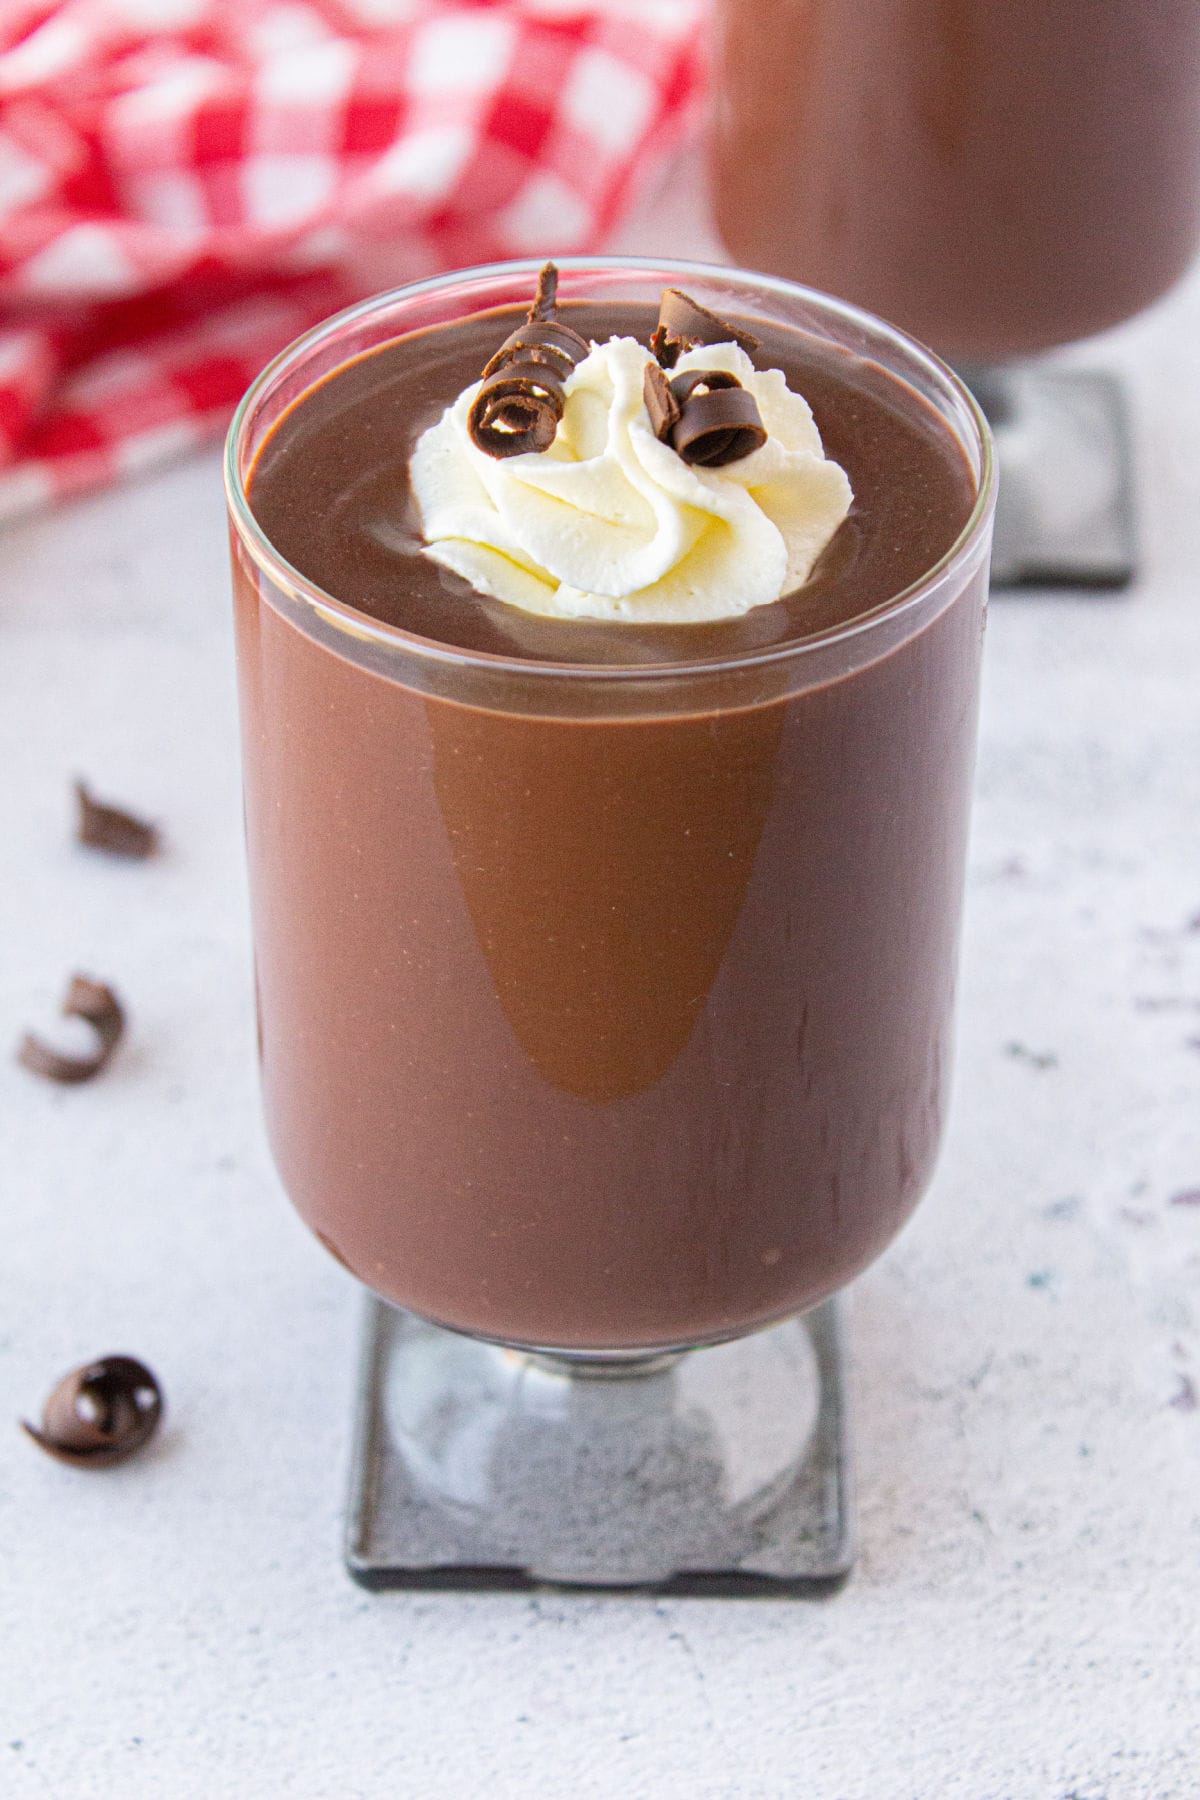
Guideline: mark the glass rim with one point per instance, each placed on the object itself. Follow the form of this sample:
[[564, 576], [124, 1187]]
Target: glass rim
[[447, 656]]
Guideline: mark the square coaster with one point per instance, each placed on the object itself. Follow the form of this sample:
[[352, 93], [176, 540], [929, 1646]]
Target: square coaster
[[1065, 502], [722, 1471]]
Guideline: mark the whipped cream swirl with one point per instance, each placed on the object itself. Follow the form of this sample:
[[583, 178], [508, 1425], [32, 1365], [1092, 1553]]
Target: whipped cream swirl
[[610, 523]]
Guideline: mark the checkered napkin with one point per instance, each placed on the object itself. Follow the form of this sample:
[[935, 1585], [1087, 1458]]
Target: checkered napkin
[[186, 184]]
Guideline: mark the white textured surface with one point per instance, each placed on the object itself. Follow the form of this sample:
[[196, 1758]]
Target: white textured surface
[[1024, 1622]]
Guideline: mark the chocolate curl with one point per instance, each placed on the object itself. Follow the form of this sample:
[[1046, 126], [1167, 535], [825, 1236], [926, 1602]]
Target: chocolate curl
[[683, 323], [521, 398], [661, 403], [85, 999], [546, 297], [540, 341], [110, 828], [100, 1413], [706, 415], [516, 410], [665, 349]]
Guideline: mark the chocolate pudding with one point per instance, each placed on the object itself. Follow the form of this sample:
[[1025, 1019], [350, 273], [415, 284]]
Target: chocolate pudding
[[997, 176], [589, 1021]]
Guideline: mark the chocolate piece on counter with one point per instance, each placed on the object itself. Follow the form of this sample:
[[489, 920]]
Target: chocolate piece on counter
[[521, 398], [85, 999], [716, 419], [683, 323], [99, 1413], [110, 828]]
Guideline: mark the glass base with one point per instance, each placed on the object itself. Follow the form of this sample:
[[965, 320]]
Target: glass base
[[714, 1470], [1064, 506]]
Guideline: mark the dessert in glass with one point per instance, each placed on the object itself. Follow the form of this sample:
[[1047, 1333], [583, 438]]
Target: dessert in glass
[[608, 723], [999, 179]]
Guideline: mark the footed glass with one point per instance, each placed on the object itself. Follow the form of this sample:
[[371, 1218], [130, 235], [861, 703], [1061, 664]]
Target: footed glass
[[1001, 179], [605, 1193]]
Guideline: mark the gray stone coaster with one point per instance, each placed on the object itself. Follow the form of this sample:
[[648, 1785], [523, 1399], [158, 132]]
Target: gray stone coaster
[[1064, 508], [724, 1470]]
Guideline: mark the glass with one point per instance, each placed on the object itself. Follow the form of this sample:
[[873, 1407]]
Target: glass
[[1000, 179], [632, 1136]]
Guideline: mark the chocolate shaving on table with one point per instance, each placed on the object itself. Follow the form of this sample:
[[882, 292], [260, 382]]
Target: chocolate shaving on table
[[521, 395], [111, 828], [705, 415], [85, 999], [683, 323], [99, 1413]]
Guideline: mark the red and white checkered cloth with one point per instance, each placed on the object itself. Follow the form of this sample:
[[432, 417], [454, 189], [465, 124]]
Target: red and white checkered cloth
[[186, 184]]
